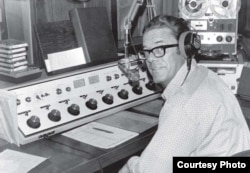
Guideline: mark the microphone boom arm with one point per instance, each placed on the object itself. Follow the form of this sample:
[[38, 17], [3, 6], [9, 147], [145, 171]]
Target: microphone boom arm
[[128, 23]]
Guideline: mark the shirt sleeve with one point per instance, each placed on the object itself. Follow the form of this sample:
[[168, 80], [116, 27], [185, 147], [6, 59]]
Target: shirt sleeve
[[176, 136]]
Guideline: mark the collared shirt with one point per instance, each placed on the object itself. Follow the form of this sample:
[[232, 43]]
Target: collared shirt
[[200, 117]]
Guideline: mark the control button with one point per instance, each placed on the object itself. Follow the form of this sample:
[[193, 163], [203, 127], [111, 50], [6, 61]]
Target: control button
[[229, 38], [74, 109], [109, 78], [210, 20], [108, 98], [150, 85], [58, 91], [193, 4], [123, 94], [68, 89], [28, 99], [225, 4], [34, 122], [137, 90], [92, 104], [18, 102], [54, 115], [219, 38], [117, 76]]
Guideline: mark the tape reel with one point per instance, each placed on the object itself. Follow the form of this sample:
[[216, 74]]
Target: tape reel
[[216, 21], [193, 8], [225, 8]]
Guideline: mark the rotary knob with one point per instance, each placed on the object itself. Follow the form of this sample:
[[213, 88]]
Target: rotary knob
[[54, 115], [108, 98], [193, 4], [74, 109], [150, 85], [34, 122], [123, 94], [137, 90], [219, 38], [28, 99], [225, 4], [92, 104], [229, 39]]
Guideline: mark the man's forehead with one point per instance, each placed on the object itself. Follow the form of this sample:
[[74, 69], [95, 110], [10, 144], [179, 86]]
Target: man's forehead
[[158, 35]]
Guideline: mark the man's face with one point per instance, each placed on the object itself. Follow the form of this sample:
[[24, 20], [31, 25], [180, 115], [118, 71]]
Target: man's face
[[162, 69]]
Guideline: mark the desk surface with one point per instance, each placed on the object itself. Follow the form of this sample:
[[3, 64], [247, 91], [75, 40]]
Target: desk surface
[[67, 155]]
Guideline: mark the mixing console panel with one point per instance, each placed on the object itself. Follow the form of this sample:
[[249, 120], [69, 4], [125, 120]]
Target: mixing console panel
[[48, 107]]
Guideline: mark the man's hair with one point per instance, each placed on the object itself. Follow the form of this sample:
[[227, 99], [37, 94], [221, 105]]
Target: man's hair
[[176, 25]]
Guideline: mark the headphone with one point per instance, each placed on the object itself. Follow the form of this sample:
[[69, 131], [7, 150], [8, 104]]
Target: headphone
[[189, 45]]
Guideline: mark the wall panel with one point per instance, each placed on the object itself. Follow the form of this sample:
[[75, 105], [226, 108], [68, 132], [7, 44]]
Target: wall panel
[[43, 11]]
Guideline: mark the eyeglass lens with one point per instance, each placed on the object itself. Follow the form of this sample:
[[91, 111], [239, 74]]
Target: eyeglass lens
[[158, 52]]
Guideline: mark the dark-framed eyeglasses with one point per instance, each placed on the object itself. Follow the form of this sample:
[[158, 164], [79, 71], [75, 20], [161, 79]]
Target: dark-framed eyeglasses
[[158, 51]]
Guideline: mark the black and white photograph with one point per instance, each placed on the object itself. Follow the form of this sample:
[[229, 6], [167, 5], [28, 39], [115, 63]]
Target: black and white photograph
[[124, 86]]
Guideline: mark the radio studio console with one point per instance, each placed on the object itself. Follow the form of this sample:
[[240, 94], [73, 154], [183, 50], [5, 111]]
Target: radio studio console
[[56, 104]]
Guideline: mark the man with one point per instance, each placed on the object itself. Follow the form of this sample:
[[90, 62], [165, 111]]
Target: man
[[200, 116]]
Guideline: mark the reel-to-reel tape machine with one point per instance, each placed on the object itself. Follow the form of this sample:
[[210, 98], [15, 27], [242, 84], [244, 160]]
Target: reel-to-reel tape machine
[[216, 21]]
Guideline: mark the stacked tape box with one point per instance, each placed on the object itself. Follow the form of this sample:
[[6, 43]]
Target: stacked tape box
[[13, 55]]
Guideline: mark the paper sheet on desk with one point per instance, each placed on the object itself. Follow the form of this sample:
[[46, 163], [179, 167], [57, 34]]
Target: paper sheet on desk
[[100, 135], [8, 117], [17, 162], [65, 59]]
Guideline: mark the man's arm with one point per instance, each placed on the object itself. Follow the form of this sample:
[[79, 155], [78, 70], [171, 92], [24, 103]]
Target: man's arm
[[177, 135]]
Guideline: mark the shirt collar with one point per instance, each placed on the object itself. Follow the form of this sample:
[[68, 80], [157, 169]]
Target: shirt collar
[[177, 81]]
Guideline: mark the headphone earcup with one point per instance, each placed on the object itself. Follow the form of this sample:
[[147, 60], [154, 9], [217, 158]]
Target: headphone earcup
[[189, 44]]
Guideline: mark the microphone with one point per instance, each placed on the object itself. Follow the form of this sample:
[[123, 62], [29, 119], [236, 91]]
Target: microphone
[[130, 68]]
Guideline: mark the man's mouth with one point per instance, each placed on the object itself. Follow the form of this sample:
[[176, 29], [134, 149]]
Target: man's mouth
[[155, 68]]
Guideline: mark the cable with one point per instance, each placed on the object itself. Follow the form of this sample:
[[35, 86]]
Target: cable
[[185, 77], [139, 60], [99, 163], [132, 43], [189, 62]]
